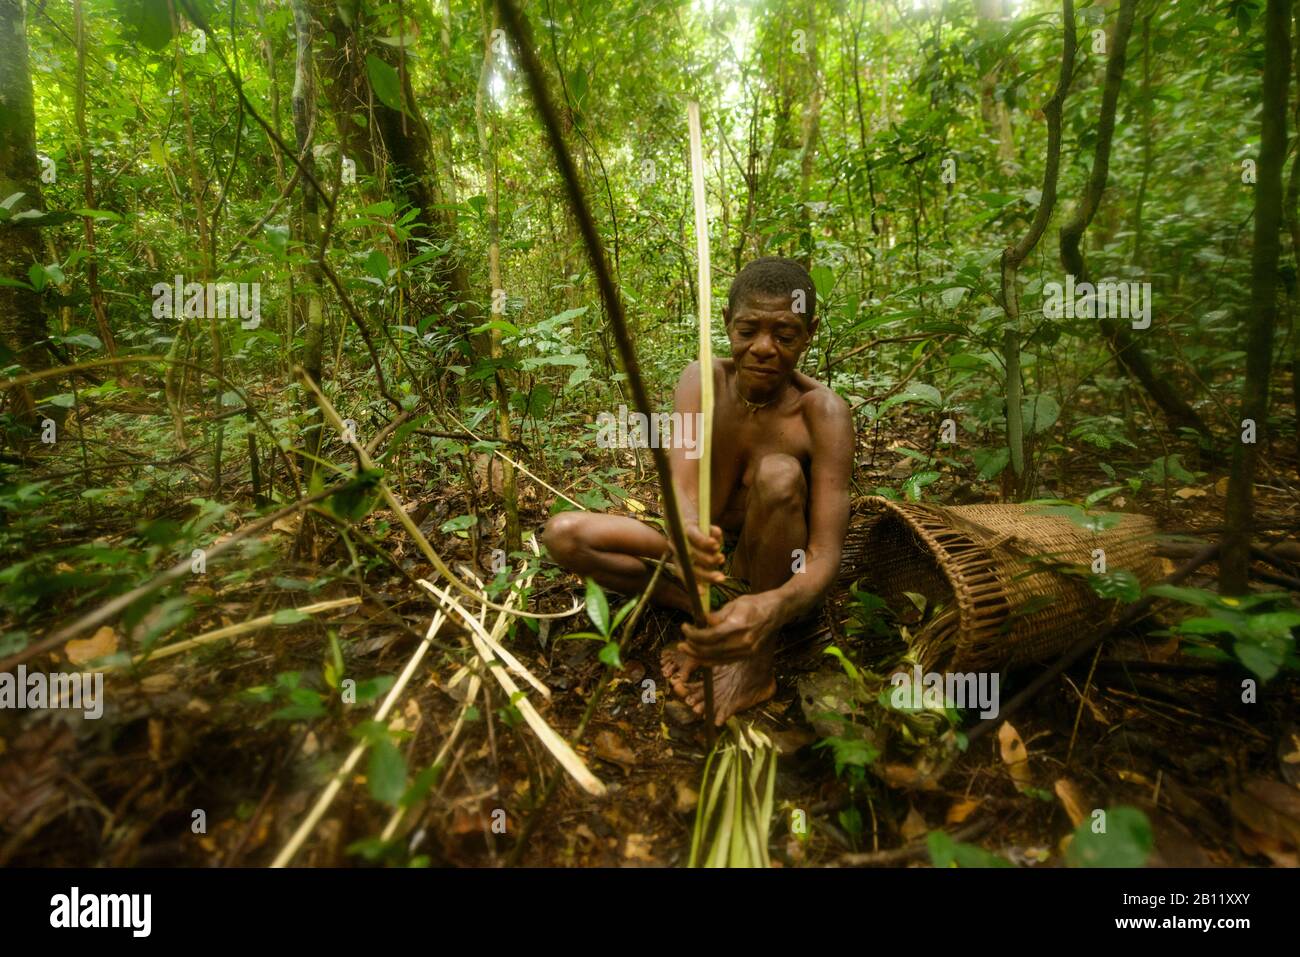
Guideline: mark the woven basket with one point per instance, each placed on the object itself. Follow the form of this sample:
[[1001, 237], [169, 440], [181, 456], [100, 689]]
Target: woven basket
[[1004, 584]]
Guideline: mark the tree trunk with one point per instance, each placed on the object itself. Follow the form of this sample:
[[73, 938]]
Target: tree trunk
[[88, 188], [1234, 562], [394, 146], [1293, 225], [487, 149], [307, 305], [1132, 359], [808, 152], [1014, 255], [22, 320]]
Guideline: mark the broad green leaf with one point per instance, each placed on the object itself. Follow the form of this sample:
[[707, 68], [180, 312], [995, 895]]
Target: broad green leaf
[[597, 607], [385, 81], [1126, 841], [386, 773]]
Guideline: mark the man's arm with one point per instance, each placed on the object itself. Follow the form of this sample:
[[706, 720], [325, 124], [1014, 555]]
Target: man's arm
[[831, 428]]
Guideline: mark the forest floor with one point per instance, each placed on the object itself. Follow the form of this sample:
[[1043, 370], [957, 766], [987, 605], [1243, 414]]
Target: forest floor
[[1149, 728]]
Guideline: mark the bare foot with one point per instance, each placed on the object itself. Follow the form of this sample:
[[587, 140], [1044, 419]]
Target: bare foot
[[677, 666], [736, 686]]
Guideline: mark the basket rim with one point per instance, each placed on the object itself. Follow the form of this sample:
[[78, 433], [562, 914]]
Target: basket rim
[[976, 568]]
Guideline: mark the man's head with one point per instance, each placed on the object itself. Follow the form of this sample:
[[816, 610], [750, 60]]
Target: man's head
[[771, 317]]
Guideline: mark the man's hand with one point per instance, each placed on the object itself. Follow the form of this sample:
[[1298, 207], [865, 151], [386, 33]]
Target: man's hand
[[736, 630], [706, 554]]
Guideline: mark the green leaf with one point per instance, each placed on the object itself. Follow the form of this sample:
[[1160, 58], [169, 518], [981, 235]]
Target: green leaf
[[385, 82], [386, 774], [991, 462], [1121, 584], [1101, 493], [377, 265], [849, 752], [420, 787], [289, 616], [356, 500], [148, 21], [1040, 413], [99, 214], [1192, 596], [597, 607], [621, 614], [1126, 842], [916, 392], [84, 339], [952, 296], [1263, 659], [304, 705], [458, 524], [912, 487], [609, 655], [578, 86], [945, 852], [372, 688]]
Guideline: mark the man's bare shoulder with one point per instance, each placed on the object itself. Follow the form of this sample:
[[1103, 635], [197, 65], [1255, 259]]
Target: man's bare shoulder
[[822, 406], [691, 372]]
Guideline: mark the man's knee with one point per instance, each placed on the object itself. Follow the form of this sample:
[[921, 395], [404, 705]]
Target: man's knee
[[779, 481], [564, 536]]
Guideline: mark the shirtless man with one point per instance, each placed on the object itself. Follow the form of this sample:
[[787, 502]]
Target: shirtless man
[[782, 456]]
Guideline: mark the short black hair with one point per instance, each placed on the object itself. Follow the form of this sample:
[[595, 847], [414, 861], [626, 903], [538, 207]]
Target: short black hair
[[774, 276]]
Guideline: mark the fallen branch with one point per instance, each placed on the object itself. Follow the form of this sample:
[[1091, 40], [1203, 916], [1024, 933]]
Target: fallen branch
[[909, 852]]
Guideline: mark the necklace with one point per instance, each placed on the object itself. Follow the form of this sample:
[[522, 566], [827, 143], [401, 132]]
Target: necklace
[[753, 406]]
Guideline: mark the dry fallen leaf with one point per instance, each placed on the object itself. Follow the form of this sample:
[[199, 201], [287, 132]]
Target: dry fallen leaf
[[960, 811], [1187, 493], [914, 825], [1072, 800], [1221, 487], [289, 524], [1014, 755], [1135, 777], [157, 684], [611, 747], [101, 643], [1271, 808]]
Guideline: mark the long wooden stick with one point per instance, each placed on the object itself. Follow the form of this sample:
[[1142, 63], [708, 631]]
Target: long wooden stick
[[705, 298], [517, 27]]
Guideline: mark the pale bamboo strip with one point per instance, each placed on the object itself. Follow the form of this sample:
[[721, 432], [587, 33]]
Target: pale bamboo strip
[[558, 747], [233, 631], [349, 764]]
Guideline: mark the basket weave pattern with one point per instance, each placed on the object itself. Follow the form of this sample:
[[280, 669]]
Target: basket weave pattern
[[1005, 584]]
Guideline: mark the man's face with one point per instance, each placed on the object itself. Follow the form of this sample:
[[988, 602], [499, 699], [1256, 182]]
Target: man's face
[[767, 339]]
